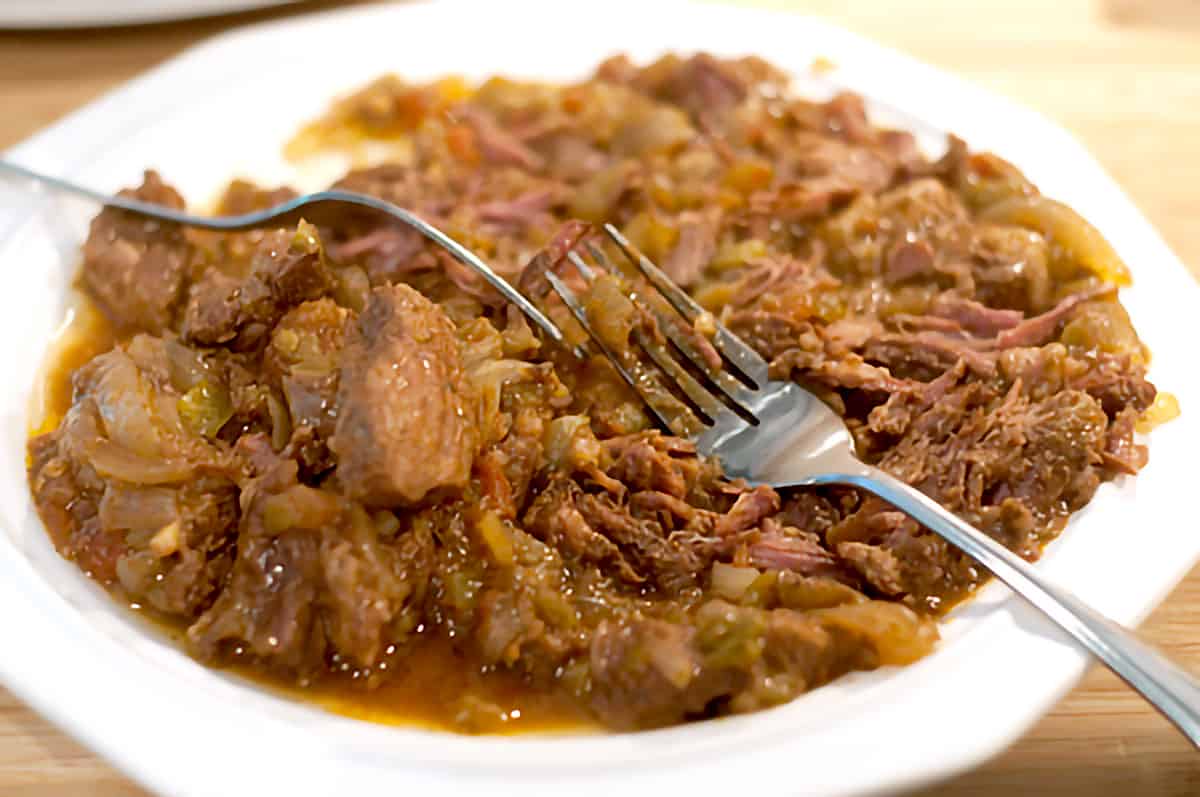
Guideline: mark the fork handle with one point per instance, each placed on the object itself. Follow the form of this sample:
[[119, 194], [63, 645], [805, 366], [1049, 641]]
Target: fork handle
[[1168, 687]]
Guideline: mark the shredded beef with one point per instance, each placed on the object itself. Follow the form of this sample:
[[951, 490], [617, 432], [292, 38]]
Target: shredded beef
[[977, 318], [695, 248]]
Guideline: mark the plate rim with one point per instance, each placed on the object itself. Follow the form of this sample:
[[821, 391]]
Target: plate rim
[[34, 15]]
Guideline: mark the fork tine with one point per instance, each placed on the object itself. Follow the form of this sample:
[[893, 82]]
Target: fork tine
[[706, 405], [597, 254], [635, 383], [734, 349], [735, 394], [586, 271], [709, 405]]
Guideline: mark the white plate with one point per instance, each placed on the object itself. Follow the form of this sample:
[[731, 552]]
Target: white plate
[[96, 13], [224, 108]]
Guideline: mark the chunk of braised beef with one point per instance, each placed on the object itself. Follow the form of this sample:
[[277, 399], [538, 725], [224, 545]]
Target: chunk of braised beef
[[243, 196], [137, 269], [503, 596], [725, 658], [304, 358], [287, 268], [267, 613], [644, 674], [313, 581], [1122, 453], [407, 413]]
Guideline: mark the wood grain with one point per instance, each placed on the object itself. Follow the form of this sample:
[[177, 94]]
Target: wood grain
[[1122, 75]]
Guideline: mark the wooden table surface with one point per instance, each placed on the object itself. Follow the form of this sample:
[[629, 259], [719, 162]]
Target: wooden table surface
[[1123, 75]]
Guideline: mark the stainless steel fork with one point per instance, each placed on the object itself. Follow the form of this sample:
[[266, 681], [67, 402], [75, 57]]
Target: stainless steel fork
[[784, 436], [323, 208]]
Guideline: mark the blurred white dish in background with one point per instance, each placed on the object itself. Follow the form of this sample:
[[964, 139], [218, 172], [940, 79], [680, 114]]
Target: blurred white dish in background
[[30, 14]]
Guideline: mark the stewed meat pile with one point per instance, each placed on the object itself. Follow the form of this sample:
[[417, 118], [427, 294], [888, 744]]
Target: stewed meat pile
[[319, 450]]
